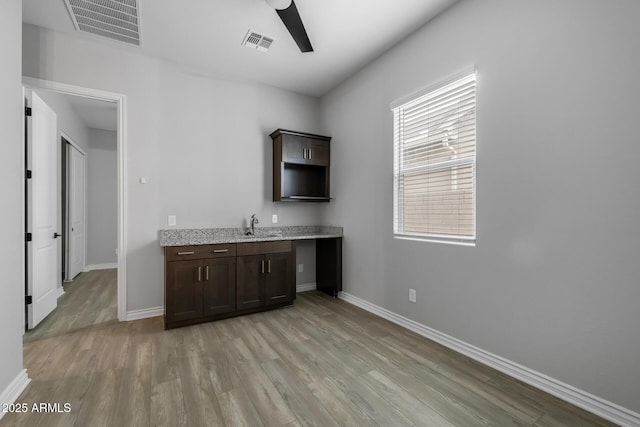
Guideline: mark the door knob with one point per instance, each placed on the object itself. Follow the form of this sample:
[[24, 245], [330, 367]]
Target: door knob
[[56, 235]]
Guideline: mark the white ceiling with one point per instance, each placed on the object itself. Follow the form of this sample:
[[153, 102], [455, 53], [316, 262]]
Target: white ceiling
[[206, 34], [95, 114]]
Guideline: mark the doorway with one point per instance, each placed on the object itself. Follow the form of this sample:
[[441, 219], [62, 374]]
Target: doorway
[[119, 101], [73, 208]]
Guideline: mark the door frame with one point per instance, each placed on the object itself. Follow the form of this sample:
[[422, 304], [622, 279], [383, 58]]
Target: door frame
[[84, 213], [120, 101]]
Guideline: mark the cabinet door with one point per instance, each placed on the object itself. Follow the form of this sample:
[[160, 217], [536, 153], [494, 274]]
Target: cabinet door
[[279, 279], [294, 149], [249, 284], [317, 152], [183, 296], [219, 286]]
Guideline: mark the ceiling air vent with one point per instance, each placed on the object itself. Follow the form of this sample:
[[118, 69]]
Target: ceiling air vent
[[114, 19], [257, 41]]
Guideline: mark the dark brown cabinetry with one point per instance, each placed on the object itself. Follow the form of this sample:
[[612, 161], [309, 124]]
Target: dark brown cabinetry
[[250, 285], [184, 291], [208, 282], [279, 285], [306, 150], [200, 281], [266, 274], [329, 266], [218, 286], [301, 166]]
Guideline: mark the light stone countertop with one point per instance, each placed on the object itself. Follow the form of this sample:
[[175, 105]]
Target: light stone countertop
[[208, 236]]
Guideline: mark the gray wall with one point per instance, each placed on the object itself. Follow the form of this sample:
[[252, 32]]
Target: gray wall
[[553, 281], [201, 141], [11, 165], [306, 255], [102, 197], [68, 120]]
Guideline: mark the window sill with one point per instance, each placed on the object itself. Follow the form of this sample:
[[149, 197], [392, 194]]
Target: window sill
[[431, 239]]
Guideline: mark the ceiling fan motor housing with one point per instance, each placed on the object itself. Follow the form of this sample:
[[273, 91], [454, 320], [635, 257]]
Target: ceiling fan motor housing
[[279, 4]]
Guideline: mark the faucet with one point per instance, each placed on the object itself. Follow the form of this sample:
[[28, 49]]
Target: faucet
[[252, 225]]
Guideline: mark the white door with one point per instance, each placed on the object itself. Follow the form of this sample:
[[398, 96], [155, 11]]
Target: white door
[[42, 218], [76, 211]]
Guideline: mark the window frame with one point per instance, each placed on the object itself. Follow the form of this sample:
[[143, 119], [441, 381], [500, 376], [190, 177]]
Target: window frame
[[397, 107]]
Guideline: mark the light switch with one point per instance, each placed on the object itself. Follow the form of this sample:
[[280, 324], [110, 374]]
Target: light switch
[[143, 180], [171, 220], [274, 218]]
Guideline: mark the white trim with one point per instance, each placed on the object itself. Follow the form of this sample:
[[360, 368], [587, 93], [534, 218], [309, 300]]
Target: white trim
[[72, 142], [15, 388], [84, 198], [407, 99], [306, 287], [84, 213], [59, 292], [107, 266], [566, 392], [122, 173], [145, 313], [471, 242]]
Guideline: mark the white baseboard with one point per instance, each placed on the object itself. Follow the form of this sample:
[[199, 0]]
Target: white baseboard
[[60, 292], [108, 266], [145, 313], [566, 392], [14, 389], [306, 287]]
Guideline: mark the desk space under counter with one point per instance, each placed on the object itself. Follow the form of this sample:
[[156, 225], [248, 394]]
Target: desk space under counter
[[213, 274]]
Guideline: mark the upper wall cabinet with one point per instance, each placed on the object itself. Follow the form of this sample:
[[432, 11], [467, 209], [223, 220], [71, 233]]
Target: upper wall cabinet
[[301, 166], [305, 150]]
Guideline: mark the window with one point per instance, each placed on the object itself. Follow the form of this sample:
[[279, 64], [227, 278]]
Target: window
[[435, 162]]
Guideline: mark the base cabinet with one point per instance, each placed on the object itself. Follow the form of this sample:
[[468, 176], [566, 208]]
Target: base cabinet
[[219, 286], [183, 291], [250, 286], [209, 282], [279, 282], [266, 274]]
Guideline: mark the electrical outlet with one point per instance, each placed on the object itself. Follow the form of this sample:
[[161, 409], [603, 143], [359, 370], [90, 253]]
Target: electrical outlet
[[412, 295], [274, 218], [171, 220], [300, 268]]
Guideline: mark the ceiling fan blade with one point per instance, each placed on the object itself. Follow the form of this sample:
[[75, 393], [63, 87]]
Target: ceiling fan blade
[[291, 19]]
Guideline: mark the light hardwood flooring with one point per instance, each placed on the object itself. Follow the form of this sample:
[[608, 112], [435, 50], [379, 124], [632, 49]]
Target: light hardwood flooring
[[322, 362], [90, 299]]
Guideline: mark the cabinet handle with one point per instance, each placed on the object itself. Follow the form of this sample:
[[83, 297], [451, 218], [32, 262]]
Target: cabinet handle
[[262, 266], [206, 273], [199, 274], [304, 153], [309, 153], [269, 266], [186, 253], [220, 251]]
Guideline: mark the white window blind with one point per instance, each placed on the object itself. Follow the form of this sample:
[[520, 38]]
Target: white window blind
[[435, 162]]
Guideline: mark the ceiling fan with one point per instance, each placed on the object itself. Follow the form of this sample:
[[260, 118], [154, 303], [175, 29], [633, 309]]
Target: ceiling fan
[[288, 13]]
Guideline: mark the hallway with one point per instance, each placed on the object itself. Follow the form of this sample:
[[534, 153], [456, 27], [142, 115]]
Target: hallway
[[91, 299]]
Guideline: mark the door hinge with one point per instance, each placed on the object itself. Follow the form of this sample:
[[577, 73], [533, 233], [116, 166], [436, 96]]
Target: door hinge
[[28, 237], [28, 299], [27, 174], [27, 111]]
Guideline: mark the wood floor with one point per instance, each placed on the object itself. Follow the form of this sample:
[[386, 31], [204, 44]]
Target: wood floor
[[322, 362], [90, 299]]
